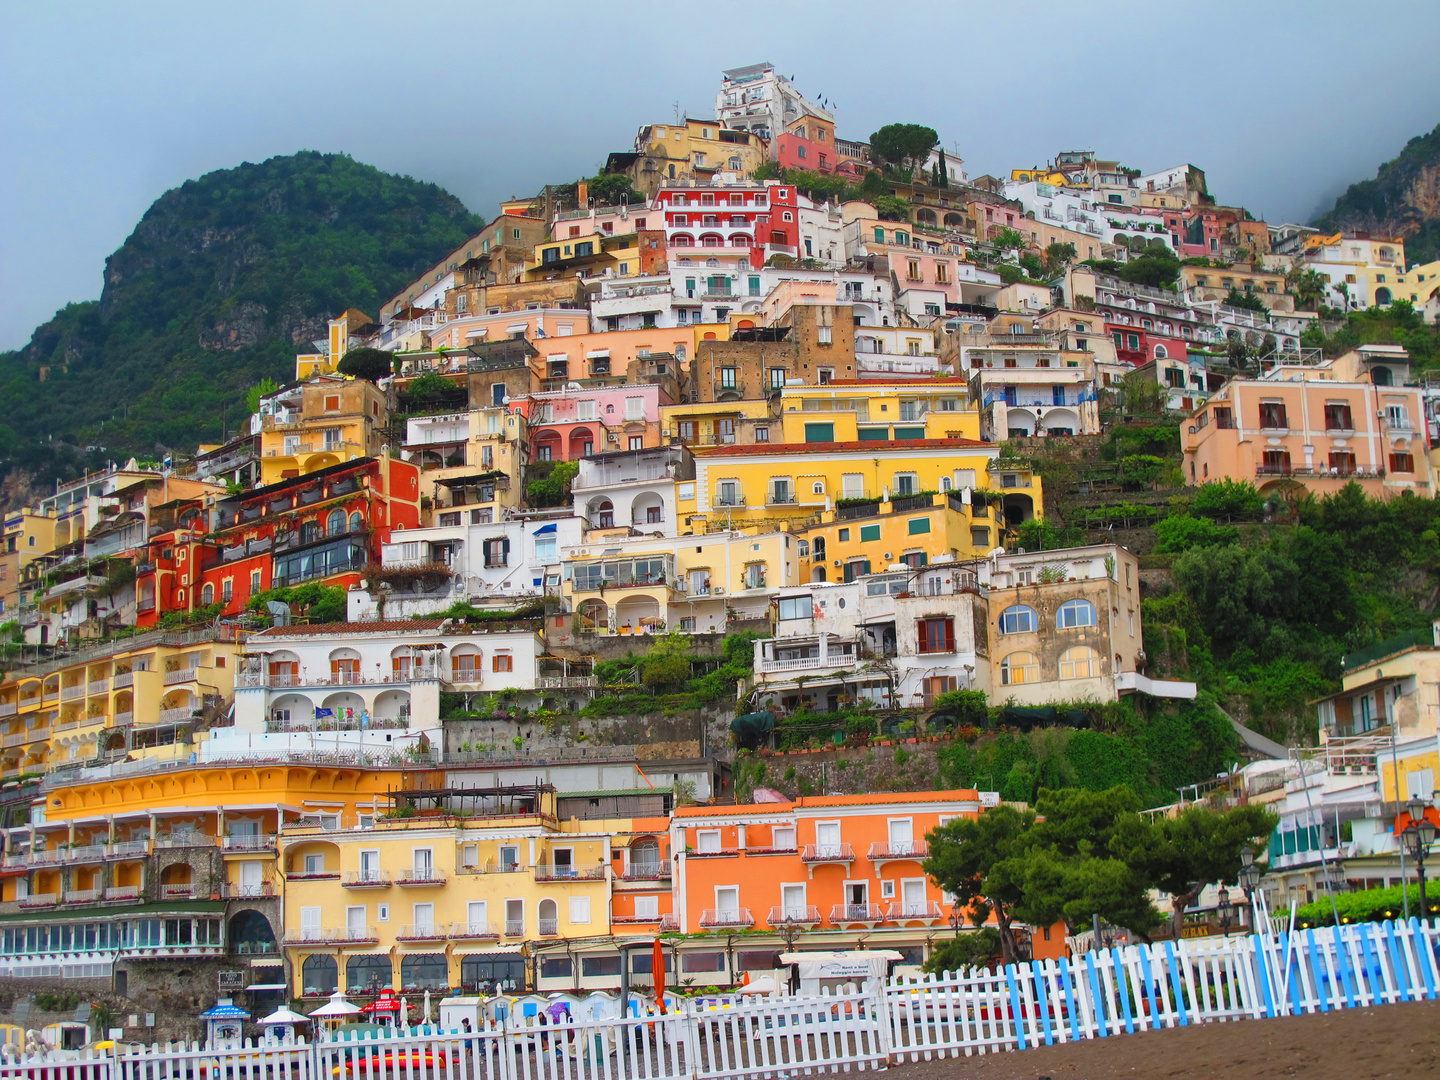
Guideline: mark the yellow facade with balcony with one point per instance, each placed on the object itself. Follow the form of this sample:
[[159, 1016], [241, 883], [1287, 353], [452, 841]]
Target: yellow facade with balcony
[[132, 696], [873, 410], [455, 893], [339, 420]]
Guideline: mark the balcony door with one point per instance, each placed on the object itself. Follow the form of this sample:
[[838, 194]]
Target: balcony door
[[423, 918], [477, 917], [563, 862], [792, 901], [355, 921], [827, 837], [912, 896], [902, 837], [252, 878], [369, 866], [727, 902]]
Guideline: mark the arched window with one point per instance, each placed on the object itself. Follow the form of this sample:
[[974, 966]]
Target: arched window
[[548, 917], [1160, 353], [817, 488], [207, 595], [309, 531], [944, 483], [1018, 668], [1074, 614], [335, 523], [1081, 662], [819, 547], [1018, 620], [804, 548], [367, 973], [357, 521], [645, 857], [424, 971], [319, 975]]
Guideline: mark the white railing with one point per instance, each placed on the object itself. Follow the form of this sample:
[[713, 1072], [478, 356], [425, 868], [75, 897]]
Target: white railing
[[70, 693], [123, 718], [183, 675], [176, 716], [1111, 992], [249, 842], [826, 660], [125, 678], [97, 686]]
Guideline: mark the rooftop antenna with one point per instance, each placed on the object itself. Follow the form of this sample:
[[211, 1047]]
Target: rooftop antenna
[[677, 111]]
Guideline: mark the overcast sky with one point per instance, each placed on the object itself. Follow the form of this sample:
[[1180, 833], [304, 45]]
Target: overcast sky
[[104, 106]]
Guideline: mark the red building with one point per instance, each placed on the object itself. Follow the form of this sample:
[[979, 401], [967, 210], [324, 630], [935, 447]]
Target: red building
[[738, 222], [324, 527]]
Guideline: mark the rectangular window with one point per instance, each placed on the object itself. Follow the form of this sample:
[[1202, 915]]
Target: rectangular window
[[1338, 418], [796, 607], [905, 484], [702, 961], [1224, 418], [762, 434], [777, 378], [819, 433], [1402, 463], [646, 907], [594, 967], [585, 410], [936, 635], [580, 910], [729, 378], [1272, 415], [501, 662], [634, 408], [869, 532], [919, 525], [824, 335]]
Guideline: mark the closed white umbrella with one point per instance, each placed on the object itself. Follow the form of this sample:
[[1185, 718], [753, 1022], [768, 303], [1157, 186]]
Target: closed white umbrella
[[336, 1007]]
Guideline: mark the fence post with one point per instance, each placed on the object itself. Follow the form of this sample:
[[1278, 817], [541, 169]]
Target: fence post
[[880, 1013], [690, 1034]]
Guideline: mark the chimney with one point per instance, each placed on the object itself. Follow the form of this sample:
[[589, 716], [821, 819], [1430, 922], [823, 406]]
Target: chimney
[[582, 195]]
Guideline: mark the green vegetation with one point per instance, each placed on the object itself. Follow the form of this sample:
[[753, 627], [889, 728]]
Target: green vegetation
[[666, 677], [904, 147], [366, 363], [1399, 324], [1394, 202], [1082, 853], [468, 613], [1157, 267], [1245, 301], [313, 603], [553, 489], [1371, 905], [208, 297]]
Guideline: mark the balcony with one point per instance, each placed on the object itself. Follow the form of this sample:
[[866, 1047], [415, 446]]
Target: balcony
[[827, 853], [548, 927], [313, 875], [122, 893], [72, 693], [715, 919], [927, 911], [249, 842], [184, 840], [514, 927], [473, 930], [780, 498], [423, 932], [39, 900], [128, 849], [554, 872], [235, 891], [808, 917], [123, 719], [125, 678], [647, 871], [730, 500], [177, 892], [366, 879], [8, 708], [827, 660], [82, 896], [420, 877], [899, 850], [856, 913], [178, 715], [331, 935], [184, 675], [503, 867]]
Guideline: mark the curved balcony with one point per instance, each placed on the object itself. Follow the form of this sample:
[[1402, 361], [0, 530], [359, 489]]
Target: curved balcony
[[366, 879], [850, 914], [827, 853], [807, 917], [738, 918]]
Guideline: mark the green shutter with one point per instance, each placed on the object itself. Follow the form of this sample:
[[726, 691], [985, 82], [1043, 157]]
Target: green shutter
[[819, 432], [879, 236], [869, 532], [919, 525], [909, 433], [875, 434]]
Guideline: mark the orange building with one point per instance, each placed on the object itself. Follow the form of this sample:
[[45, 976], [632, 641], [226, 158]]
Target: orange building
[[824, 872]]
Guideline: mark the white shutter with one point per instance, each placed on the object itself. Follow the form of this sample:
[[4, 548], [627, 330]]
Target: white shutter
[[646, 907], [579, 910]]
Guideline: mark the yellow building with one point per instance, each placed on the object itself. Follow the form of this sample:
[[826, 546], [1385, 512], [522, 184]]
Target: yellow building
[[696, 582], [869, 537], [586, 257], [339, 419], [135, 696], [127, 876], [1421, 286], [695, 150], [789, 484], [448, 889], [718, 423], [876, 410], [27, 536], [345, 332]]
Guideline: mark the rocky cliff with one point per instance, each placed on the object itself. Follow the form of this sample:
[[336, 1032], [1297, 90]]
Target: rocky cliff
[[1403, 200]]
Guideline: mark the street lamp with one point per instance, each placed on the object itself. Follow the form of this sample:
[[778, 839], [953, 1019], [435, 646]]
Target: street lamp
[[957, 919], [1226, 909], [1419, 835], [1249, 879]]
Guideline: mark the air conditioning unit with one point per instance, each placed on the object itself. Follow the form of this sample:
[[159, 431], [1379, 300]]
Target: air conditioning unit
[[717, 592]]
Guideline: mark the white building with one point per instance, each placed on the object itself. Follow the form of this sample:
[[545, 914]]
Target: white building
[[634, 488], [754, 98], [360, 686]]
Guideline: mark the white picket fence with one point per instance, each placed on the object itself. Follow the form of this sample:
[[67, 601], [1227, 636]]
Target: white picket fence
[[1098, 995]]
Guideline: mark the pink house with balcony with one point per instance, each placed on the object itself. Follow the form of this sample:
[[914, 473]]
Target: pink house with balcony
[[567, 425]]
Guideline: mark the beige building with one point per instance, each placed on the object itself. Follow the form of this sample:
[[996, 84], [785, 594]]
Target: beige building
[[695, 151]]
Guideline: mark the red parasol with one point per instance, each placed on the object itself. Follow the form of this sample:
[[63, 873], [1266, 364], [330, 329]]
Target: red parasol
[[657, 967]]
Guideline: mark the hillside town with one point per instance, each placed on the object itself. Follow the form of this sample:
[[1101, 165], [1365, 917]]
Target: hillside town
[[749, 423]]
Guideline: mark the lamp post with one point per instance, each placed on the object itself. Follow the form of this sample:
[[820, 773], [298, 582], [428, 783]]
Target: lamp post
[[1419, 835], [1249, 879], [1226, 910], [957, 920]]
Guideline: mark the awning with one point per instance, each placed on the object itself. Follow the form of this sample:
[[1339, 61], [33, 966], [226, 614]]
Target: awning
[[544, 529], [490, 950], [598, 354], [268, 986]]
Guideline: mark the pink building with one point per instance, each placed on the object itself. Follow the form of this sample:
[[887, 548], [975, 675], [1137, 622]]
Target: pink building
[[567, 425]]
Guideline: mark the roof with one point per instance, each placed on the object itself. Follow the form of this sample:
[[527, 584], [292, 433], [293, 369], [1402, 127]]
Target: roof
[[771, 449], [890, 798], [908, 380], [315, 629], [225, 1012]]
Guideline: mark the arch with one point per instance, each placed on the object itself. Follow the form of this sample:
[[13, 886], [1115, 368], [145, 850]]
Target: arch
[[392, 705], [711, 240], [178, 699], [1061, 422], [818, 546], [1381, 376], [594, 614], [601, 513], [1080, 662], [547, 914], [1018, 423], [357, 521], [644, 854], [335, 522], [637, 611], [647, 509], [926, 216], [1382, 295], [681, 240], [345, 708], [745, 324], [1161, 353], [251, 932], [817, 488], [293, 710], [424, 971], [177, 873], [319, 975], [1019, 668], [946, 483], [368, 972], [1074, 614], [547, 445], [740, 240], [580, 438], [1017, 508], [1018, 619], [817, 573], [207, 594]]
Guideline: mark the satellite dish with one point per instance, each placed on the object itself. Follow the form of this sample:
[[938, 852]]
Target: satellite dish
[[279, 611]]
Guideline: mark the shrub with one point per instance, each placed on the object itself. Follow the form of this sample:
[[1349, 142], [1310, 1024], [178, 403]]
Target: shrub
[[1182, 532], [1372, 905], [366, 363]]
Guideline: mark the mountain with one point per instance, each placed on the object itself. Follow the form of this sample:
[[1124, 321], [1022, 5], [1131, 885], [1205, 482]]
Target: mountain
[[224, 279], [1403, 200]]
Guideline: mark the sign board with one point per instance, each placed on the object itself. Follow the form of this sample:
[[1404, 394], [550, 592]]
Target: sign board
[[989, 799], [231, 980]]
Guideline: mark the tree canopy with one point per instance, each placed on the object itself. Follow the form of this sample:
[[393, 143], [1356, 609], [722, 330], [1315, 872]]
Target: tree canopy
[[366, 363], [895, 144]]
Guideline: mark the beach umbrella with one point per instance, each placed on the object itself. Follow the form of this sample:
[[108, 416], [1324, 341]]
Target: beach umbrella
[[657, 968]]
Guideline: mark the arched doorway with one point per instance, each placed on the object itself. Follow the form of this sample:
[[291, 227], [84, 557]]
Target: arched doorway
[[250, 932], [594, 615], [1381, 376], [369, 974], [1382, 296], [319, 975]]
